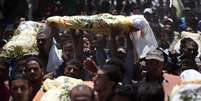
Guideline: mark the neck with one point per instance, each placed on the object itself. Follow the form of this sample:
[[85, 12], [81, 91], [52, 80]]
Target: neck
[[157, 79], [36, 82]]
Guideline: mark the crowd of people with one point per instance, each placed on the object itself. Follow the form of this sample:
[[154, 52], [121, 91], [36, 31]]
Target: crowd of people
[[109, 62]]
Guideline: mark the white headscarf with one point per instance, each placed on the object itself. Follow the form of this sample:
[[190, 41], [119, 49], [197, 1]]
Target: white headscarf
[[55, 58], [144, 39], [190, 88], [190, 75]]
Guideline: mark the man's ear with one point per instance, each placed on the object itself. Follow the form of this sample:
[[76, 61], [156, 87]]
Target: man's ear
[[42, 72]]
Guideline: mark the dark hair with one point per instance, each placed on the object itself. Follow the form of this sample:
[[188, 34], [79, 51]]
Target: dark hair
[[34, 58], [114, 69], [125, 91], [18, 76], [24, 57], [76, 62], [150, 91], [185, 41]]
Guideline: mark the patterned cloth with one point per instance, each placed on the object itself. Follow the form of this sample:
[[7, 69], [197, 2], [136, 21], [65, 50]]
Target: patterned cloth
[[24, 39], [58, 89], [190, 89]]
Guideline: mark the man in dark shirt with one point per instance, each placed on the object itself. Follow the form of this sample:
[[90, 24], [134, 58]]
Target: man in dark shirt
[[4, 91]]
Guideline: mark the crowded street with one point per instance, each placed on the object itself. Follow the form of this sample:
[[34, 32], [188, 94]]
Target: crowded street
[[100, 50]]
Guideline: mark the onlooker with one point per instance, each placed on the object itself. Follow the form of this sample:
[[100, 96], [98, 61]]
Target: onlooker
[[87, 55], [44, 43], [19, 88], [35, 72], [21, 62], [74, 68], [154, 65], [4, 90], [188, 49], [168, 34], [107, 77]]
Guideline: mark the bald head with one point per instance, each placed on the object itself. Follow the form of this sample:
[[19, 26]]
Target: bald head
[[82, 93]]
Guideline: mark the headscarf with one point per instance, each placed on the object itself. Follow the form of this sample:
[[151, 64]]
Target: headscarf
[[144, 39], [190, 89]]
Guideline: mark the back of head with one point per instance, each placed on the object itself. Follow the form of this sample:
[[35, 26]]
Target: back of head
[[114, 69], [82, 92]]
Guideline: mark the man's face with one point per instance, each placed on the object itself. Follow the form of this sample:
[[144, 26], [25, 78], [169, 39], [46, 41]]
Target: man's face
[[189, 51], [168, 32], [34, 71], [68, 51], [168, 28], [154, 68], [72, 71], [20, 90], [41, 39], [100, 81], [81, 95]]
